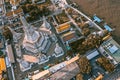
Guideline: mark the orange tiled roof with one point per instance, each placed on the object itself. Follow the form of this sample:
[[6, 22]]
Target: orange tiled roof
[[62, 28], [8, 14], [68, 36], [18, 11], [14, 2], [2, 65], [100, 77]]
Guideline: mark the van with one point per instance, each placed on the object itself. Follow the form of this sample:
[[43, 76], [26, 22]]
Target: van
[[37, 71]]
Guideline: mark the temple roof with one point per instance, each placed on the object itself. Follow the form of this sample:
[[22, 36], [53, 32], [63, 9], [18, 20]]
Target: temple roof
[[58, 49], [45, 24], [31, 35]]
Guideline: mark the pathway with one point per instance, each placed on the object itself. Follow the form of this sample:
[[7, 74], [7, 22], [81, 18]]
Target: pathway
[[85, 17]]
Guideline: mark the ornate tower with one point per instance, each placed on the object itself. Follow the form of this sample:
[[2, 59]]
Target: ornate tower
[[34, 41], [31, 37]]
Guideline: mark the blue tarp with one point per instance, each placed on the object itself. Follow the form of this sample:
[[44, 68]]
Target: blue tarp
[[97, 19], [68, 48], [46, 67], [107, 28]]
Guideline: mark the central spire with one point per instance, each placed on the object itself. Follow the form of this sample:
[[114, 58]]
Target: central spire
[[30, 34]]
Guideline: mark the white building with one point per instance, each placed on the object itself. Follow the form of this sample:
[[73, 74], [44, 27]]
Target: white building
[[34, 41], [58, 51], [35, 44], [16, 36]]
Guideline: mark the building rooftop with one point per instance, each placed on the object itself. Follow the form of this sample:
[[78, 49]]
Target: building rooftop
[[97, 19], [113, 49], [107, 27], [11, 13], [92, 54], [30, 58], [69, 36], [57, 68], [63, 28], [2, 65], [66, 73], [100, 77], [10, 53], [14, 2]]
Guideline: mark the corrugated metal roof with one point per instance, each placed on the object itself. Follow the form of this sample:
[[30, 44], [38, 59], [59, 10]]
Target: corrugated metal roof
[[10, 53]]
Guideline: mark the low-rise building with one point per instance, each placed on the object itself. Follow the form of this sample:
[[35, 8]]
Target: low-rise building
[[14, 13], [15, 2], [2, 65], [111, 49], [92, 54], [60, 70], [62, 28], [68, 36], [10, 54], [100, 77], [65, 73]]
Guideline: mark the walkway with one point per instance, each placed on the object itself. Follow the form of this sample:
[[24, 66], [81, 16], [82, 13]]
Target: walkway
[[45, 72], [85, 17], [73, 22]]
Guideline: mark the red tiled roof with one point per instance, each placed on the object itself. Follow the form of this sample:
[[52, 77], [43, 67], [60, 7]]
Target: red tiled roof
[[68, 36], [8, 14]]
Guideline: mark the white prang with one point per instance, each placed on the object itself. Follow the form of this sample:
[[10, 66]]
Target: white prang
[[58, 51], [34, 41], [16, 36]]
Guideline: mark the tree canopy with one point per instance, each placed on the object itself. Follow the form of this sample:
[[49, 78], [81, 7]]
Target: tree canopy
[[35, 11], [79, 77], [83, 45], [1, 54], [105, 63], [86, 31], [84, 65], [7, 33]]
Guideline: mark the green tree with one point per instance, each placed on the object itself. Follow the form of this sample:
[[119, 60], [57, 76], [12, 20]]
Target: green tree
[[1, 54], [79, 77], [86, 31], [69, 52], [105, 63], [84, 65], [7, 33]]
